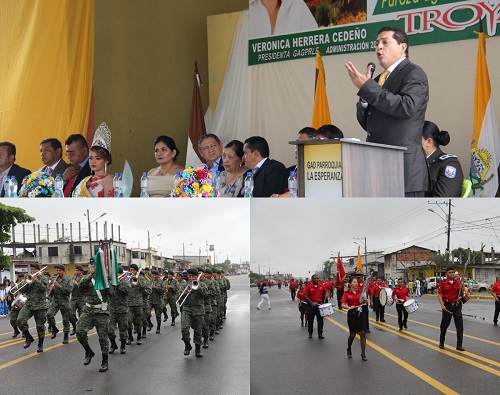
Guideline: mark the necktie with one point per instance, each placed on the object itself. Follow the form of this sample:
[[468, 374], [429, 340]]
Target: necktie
[[383, 77], [255, 170], [69, 186]]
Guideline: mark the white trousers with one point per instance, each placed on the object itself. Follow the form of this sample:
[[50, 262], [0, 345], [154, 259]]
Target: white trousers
[[262, 298]]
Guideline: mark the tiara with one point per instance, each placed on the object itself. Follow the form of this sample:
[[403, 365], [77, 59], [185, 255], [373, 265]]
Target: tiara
[[102, 137]]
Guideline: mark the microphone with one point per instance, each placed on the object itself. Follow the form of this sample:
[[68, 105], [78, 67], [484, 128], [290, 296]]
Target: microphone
[[372, 65]]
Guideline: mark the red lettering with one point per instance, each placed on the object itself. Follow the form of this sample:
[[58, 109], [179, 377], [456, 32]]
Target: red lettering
[[492, 17], [460, 26]]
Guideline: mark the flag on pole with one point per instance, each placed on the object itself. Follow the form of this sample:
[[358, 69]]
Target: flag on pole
[[340, 272], [485, 147], [359, 268], [321, 110], [197, 121], [106, 269]]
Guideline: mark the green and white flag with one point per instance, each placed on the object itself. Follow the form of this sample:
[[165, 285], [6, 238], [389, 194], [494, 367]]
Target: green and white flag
[[106, 269]]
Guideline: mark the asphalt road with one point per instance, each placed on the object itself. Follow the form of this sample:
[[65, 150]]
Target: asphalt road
[[157, 366], [285, 361]]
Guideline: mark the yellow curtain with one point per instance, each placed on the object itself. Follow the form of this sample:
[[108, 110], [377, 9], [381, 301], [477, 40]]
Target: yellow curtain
[[46, 72]]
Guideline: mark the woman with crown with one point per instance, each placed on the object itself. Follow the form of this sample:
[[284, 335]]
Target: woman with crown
[[100, 184]]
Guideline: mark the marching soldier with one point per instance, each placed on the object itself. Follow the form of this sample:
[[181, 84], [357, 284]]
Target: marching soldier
[[220, 300], [36, 305], [146, 304], [118, 313], [59, 291], [209, 301], [170, 296], [77, 302], [95, 314], [227, 287], [135, 303], [215, 307], [157, 291], [14, 310], [192, 314], [182, 284]]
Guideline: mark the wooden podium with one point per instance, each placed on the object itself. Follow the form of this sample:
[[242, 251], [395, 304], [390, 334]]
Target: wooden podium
[[349, 168]]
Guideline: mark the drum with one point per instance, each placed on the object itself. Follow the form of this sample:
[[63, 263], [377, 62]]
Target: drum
[[386, 297], [19, 302], [325, 309], [410, 305]]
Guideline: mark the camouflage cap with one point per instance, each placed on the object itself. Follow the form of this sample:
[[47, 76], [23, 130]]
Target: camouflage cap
[[60, 267], [134, 266], [193, 271], [79, 267], [35, 265]]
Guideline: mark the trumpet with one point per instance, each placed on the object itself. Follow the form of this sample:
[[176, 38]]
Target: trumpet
[[27, 281], [123, 276], [135, 280], [192, 286], [51, 286]]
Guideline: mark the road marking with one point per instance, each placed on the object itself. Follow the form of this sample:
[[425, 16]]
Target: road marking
[[421, 375]]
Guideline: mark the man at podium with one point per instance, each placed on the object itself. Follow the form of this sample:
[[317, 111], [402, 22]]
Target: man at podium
[[392, 106]]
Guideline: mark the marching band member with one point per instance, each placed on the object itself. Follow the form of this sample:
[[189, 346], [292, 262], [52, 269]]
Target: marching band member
[[355, 317], [118, 313], [361, 285], [14, 310], [60, 290], [95, 314], [448, 292], [214, 304], [211, 294], [146, 303], [157, 292], [293, 288], [192, 314], [400, 294], [135, 303], [77, 302], [375, 299], [171, 289], [302, 305], [495, 291], [314, 294], [36, 306]]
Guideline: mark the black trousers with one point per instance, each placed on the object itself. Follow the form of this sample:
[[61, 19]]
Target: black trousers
[[340, 293], [379, 309], [367, 319], [293, 291], [455, 311], [311, 313], [497, 311], [402, 315]]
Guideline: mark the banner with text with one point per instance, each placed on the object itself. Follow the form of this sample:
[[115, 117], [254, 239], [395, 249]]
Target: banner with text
[[349, 27]]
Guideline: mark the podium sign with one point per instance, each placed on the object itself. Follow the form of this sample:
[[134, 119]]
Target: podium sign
[[323, 170]]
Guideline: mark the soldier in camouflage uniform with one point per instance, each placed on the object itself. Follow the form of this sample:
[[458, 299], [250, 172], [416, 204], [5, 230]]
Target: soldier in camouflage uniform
[[215, 298], [118, 313], [135, 303], [14, 311], [95, 314], [212, 292], [226, 288], [171, 290], [181, 281], [220, 301], [36, 305], [77, 302], [157, 291], [192, 314], [59, 291], [146, 303]]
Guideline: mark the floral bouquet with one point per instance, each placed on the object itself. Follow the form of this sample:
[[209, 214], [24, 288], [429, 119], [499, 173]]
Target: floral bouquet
[[193, 183], [37, 185]]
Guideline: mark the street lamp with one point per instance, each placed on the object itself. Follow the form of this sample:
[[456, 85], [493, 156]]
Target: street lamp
[[184, 250], [90, 230], [149, 248]]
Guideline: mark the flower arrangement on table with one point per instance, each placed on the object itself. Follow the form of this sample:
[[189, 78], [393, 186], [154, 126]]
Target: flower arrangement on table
[[193, 183], [37, 185]]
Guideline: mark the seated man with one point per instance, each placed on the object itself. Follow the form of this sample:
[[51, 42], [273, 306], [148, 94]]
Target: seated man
[[51, 156], [7, 166], [329, 132], [267, 172], [210, 148]]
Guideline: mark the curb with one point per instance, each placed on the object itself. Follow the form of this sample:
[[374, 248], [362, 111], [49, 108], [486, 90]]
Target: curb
[[473, 296]]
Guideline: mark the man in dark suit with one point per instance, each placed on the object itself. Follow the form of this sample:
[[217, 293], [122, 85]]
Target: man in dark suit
[[51, 156], [392, 107], [267, 173], [210, 148], [77, 151], [7, 166]]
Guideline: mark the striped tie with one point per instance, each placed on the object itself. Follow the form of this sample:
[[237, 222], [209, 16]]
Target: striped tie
[[383, 77]]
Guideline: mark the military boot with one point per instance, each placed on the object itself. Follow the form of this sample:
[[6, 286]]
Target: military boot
[[187, 348], [16, 332], [164, 311], [173, 321], [73, 331], [197, 350], [104, 363], [66, 338], [40, 345], [122, 346], [130, 338], [205, 342], [143, 332], [89, 354], [211, 337], [139, 342], [55, 331], [113, 346], [150, 324], [29, 339], [158, 326]]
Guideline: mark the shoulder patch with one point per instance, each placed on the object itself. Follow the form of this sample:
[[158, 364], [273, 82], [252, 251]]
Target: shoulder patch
[[450, 172], [444, 157]]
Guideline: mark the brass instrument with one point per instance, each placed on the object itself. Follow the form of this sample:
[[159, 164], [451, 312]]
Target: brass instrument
[[193, 285], [51, 286], [123, 276], [165, 294], [28, 280], [135, 279]]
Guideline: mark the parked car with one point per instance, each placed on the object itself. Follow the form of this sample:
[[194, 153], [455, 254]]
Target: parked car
[[432, 284], [480, 287]]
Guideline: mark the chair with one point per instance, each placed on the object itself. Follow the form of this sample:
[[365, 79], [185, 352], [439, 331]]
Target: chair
[[466, 187]]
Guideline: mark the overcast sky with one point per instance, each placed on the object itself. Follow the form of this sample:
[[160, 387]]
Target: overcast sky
[[297, 235], [194, 222]]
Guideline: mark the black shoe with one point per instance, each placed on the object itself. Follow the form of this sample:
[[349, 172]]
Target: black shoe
[[158, 329], [173, 323], [460, 348], [54, 332], [205, 342], [495, 324], [144, 333], [113, 347], [382, 320], [405, 326], [128, 342], [73, 331], [349, 352], [40, 345], [187, 348], [321, 337], [66, 338], [217, 332], [310, 336], [441, 346], [400, 328], [197, 351], [139, 342], [89, 354], [150, 326], [122, 347], [220, 327], [363, 357], [29, 339], [104, 364], [368, 331], [211, 337], [302, 324], [16, 333]]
